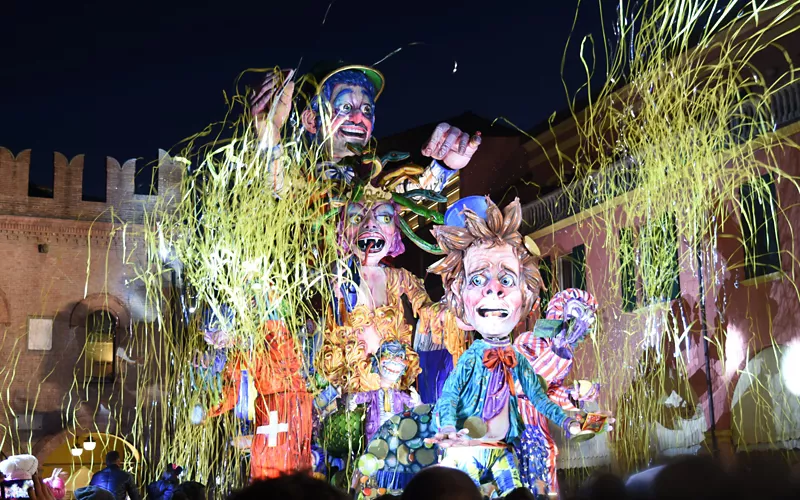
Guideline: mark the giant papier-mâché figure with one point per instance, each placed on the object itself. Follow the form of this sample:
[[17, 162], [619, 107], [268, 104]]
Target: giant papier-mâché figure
[[550, 349], [491, 282], [266, 384], [340, 116], [370, 309]]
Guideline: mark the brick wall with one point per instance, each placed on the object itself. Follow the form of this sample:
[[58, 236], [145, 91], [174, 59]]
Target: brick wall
[[63, 257]]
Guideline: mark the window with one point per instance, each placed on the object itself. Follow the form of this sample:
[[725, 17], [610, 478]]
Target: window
[[572, 269], [759, 229], [649, 263], [40, 334], [101, 340]]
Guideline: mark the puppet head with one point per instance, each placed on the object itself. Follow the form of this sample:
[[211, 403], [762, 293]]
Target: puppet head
[[577, 309], [391, 362], [343, 110], [370, 231], [490, 279]]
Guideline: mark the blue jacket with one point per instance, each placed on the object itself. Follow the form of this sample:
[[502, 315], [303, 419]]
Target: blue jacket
[[116, 481], [465, 390]]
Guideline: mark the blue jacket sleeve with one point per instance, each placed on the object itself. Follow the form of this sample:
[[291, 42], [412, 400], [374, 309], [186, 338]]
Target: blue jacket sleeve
[[533, 390], [446, 408]]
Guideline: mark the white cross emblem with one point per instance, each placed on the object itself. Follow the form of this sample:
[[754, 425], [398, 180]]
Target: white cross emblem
[[273, 429]]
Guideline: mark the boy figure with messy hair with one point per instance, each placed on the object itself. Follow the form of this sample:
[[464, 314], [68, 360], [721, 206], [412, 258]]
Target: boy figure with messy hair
[[490, 282]]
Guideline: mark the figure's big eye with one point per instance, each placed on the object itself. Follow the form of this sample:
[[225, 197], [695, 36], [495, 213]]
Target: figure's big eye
[[345, 108], [384, 219], [477, 280], [356, 219], [366, 109], [507, 280]]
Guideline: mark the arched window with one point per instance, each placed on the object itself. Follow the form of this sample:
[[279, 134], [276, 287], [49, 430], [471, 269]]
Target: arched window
[[101, 344]]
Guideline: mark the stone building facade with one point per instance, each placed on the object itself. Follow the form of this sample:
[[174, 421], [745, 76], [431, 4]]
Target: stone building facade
[[70, 305]]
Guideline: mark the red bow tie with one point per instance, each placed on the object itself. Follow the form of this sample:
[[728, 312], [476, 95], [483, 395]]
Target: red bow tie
[[503, 357]]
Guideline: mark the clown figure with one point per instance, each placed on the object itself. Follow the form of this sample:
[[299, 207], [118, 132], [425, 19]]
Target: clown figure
[[391, 363], [340, 117], [490, 282], [551, 357], [370, 309]]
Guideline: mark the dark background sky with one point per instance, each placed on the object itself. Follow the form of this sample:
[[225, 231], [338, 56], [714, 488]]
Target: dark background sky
[[102, 78]]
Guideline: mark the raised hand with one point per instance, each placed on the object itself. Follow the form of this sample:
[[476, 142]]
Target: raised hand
[[271, 105], [452, 146]]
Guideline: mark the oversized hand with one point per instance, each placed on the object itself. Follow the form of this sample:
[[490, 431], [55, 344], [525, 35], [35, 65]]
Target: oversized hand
[[416, 400], [573, 428], [271, 104], [449, 144], [448, 436]]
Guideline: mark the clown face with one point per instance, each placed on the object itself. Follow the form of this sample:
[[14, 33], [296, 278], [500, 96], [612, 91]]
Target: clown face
[[351, 118], [392, 365], [492, 295], [370, 231]]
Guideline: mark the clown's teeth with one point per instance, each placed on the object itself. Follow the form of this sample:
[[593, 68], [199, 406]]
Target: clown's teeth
[[493, 313]]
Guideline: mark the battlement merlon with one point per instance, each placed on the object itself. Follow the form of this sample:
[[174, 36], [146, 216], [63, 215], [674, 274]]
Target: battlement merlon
[[67, 201]]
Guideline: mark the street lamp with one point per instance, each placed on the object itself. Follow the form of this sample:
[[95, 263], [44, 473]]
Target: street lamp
[[89, 444]]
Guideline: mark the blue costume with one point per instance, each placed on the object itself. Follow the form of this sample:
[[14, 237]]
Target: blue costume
[[474, 389], [464, 392]]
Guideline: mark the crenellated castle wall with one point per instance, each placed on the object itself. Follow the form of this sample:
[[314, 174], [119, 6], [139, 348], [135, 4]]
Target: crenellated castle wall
[[67, 202]]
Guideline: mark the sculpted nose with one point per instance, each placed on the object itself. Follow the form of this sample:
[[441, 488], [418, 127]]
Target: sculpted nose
[[356, 117], [493, 288]]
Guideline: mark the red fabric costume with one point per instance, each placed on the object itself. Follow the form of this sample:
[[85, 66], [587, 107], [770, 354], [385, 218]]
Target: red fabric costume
[[282, 389]]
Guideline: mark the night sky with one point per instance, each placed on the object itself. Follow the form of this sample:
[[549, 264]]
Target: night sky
[[106, 79]]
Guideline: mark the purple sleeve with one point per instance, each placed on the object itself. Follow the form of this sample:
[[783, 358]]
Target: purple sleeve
[[362, 397]]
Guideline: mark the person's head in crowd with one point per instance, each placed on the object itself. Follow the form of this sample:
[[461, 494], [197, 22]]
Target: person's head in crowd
[[765, 477], [297, 486], [172, 472], [441, 483], [190, 490], [93, 493], [602, 485], [691, 478], [520, 494], [113, 458]]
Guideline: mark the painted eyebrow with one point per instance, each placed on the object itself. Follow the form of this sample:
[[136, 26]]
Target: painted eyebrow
[[343, 93], [508, 270], [354, 209], [479, 271]]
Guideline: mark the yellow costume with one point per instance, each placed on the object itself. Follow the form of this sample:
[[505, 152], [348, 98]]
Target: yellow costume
[[344, 359]]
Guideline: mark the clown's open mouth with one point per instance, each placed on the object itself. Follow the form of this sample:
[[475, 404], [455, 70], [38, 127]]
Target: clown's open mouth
[[353, 132], [373, 243], [485, 312], [393, 369]]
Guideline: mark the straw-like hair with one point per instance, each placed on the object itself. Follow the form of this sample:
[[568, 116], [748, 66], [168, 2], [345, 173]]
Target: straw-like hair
[[496, 229]]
